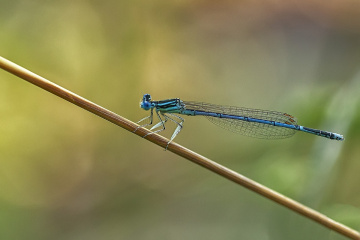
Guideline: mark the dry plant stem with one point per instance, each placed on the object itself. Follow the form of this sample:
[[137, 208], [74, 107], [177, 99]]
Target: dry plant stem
[[178, 149]]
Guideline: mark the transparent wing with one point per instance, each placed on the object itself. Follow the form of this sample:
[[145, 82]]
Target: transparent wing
[[251, 129]]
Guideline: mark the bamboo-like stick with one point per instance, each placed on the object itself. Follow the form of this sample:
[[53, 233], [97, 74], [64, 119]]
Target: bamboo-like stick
[[177, 149]]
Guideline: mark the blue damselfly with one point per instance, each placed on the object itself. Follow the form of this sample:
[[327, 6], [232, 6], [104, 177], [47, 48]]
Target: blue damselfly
[[250, 122]]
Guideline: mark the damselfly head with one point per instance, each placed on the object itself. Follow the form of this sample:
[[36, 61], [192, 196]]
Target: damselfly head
[[146, 102]]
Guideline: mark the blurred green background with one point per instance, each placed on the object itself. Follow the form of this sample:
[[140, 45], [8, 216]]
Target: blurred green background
[[68, 174]]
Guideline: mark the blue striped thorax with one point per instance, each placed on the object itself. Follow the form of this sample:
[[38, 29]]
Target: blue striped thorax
[[174, 105]]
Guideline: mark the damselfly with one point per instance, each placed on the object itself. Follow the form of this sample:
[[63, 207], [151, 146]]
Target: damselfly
[[250, 122]]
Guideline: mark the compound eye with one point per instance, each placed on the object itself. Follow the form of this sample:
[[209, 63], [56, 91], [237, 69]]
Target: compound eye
[[147, 97], [145, 105]]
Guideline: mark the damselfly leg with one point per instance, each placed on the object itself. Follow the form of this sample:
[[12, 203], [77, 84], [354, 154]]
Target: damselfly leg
[[145, 118], [178, 128]]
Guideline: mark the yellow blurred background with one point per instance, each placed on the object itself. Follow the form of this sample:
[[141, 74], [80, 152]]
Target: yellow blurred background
[[67, 174]]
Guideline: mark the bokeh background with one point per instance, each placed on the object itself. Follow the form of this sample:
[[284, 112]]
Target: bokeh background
[[67, 174]]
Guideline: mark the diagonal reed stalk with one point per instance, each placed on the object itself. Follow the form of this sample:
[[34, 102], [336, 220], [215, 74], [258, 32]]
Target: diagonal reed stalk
[[178, 149]]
